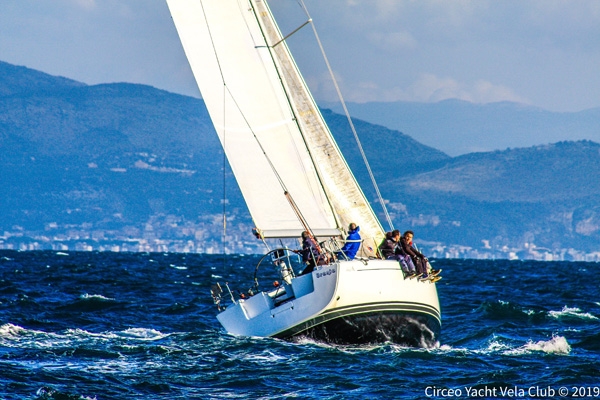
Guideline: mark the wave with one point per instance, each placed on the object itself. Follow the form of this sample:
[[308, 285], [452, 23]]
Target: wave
[[591, 343], [94, 302], [500, 346], [136, 334], [267, 356], [11, 331], [95, 296], [144, 334], [17, 336], [571, 313], [501, 309], [14, 336], [506, 310], [48, 392], [556, 345]]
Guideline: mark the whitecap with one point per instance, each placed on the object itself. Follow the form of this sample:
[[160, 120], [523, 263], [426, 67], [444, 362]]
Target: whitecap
[[572, 312], [95, 296], [556, 345], [497, 346], [448, 348], [10, 331], [142, 334], [19, 337], [266, 357], [78, 333]]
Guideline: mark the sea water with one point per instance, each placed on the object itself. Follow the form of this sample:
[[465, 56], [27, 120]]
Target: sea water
[[142, 326]]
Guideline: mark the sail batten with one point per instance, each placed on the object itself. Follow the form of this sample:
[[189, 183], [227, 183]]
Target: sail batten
[[273, 134]]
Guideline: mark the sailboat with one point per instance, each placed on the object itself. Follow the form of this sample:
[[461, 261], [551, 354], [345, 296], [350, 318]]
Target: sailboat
[[295, 179]]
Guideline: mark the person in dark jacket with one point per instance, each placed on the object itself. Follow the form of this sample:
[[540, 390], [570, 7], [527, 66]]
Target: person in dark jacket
[[353, 240], [310, 252], [387, 248], [418, 258], [390, 249]]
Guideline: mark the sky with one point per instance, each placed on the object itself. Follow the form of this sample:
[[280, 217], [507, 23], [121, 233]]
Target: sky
[[544, 53]]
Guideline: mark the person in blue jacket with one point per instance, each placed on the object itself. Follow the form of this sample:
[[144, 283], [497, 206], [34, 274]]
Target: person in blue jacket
[[352, 242]]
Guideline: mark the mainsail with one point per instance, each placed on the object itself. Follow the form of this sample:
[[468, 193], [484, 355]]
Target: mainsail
[[287, 164]]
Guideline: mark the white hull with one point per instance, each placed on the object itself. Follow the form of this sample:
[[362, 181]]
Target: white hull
[[344, 302]]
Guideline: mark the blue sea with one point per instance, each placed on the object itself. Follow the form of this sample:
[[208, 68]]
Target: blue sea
[[142, 326]]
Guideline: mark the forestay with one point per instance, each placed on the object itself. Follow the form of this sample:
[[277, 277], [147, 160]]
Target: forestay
[[273, 134]]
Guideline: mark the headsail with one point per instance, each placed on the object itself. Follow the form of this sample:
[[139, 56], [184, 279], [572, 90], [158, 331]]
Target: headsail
[[271, 129]]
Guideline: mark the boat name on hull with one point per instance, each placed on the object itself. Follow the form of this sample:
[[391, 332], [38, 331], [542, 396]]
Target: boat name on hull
[[326, 273]]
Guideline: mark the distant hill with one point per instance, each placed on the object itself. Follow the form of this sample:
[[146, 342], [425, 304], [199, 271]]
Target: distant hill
[[17, 79], [548, 195], [110, 155], [107, 165], [459, 127], [114, 158]]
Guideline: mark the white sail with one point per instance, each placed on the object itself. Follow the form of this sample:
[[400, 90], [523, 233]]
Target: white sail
[[293, 176], [269, 125]]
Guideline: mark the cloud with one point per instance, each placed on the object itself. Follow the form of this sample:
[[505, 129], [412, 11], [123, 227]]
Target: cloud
[[431, 88], [544, 52], [85, 4], [390, 41], [428, 88]]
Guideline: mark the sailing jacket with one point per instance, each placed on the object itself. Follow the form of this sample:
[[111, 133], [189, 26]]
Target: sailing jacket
[[410, 250], [351, 248], [309, 250], [388, 248]]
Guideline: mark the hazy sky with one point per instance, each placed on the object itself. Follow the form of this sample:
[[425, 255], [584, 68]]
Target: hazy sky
[[544, 53]]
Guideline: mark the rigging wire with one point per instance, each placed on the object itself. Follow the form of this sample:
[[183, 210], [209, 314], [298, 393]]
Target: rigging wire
[[342, 101], [224, 238], [224, 210]]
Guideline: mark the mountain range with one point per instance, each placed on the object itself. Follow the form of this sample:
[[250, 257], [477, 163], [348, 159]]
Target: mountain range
[[459, 127], [112, 164]]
